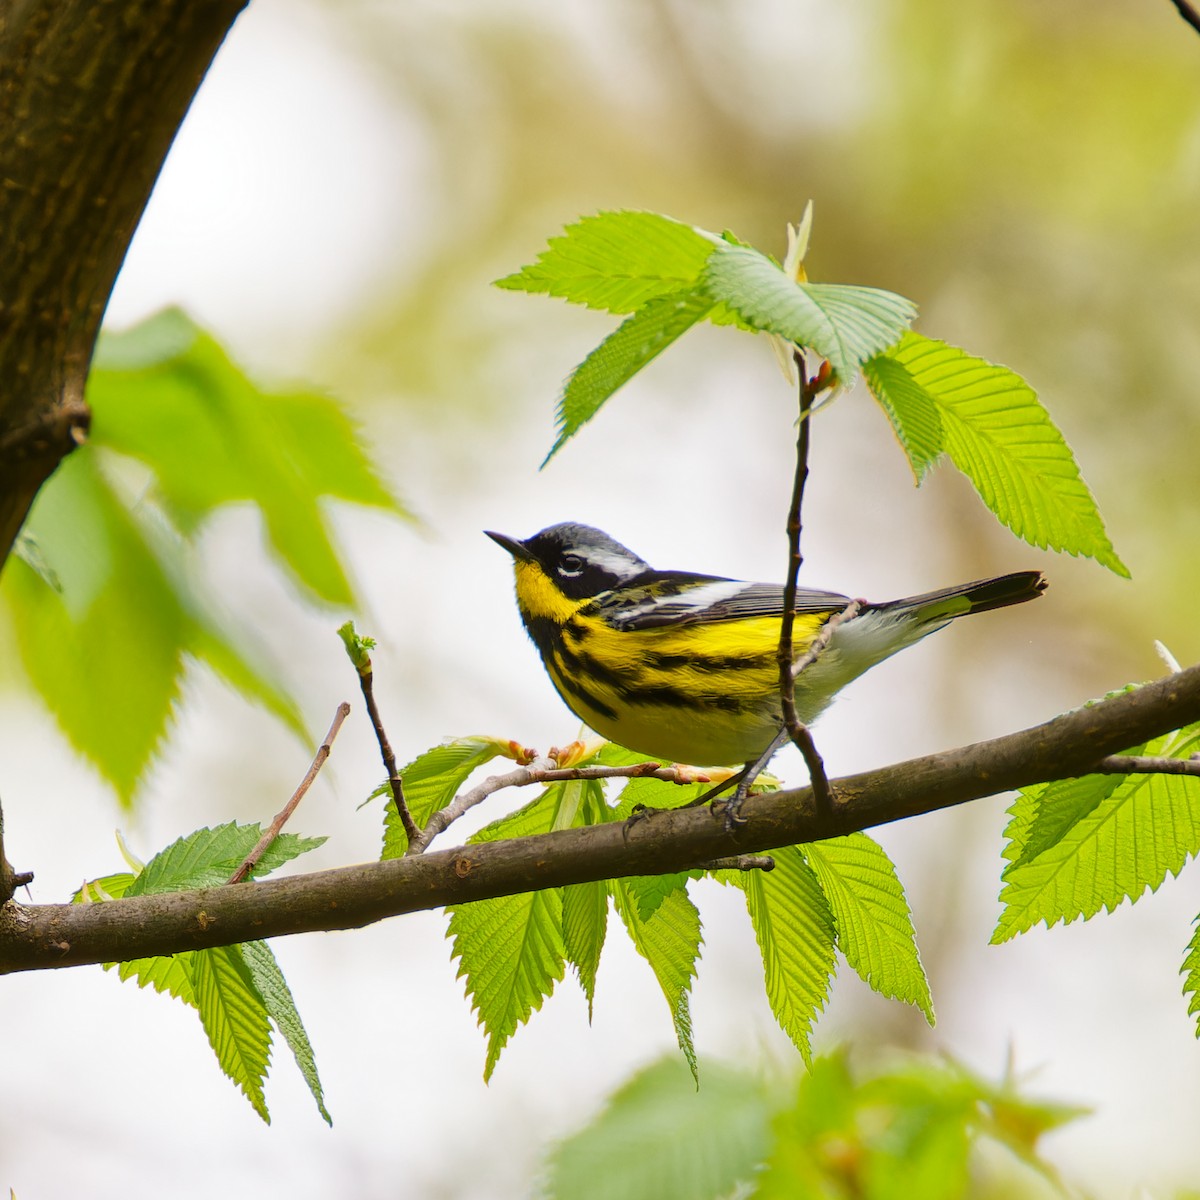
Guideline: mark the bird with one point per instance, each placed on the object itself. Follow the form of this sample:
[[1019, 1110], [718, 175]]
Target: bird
[[683, 667]]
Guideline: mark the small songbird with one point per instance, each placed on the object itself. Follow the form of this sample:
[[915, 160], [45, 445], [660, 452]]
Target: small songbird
[[684, 667]]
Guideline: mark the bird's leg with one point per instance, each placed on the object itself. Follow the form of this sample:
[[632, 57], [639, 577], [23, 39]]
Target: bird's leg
[[745, 781]]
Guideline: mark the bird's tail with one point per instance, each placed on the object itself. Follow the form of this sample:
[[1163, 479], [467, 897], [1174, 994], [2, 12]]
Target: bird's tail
[[980, 596]]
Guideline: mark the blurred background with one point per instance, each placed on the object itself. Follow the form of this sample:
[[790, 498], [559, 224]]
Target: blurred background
[[351, 178]]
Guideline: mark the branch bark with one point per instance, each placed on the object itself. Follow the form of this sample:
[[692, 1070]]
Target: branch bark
[[38, 937], [92, 93]]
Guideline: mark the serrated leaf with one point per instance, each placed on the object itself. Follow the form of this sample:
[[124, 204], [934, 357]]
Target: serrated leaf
[[911, 410], [637, 341], [510, 950], [164, 973], [844, 324], [796, 937], [670, 942], [281, 1008], [1141, 831], [584, 924], [1000, 437], [649, 891], [1191, 973], [659, 1138], [208, 857], [616, 261], [235, 1019], [874, 923], [431, 781]]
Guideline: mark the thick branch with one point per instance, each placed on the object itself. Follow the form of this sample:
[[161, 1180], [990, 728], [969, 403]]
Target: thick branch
[[91, 95], [59, 935]]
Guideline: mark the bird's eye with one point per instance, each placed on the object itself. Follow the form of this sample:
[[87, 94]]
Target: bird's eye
[[571, 564]]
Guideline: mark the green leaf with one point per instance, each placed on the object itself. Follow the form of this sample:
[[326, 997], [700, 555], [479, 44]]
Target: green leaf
[[796, 937], [659, 1138], [616, 261], [165, 393], [431, 781], [874, 924], [584, 924], [510, 950], [670, 942], [164, 973], [208, 857], [1000, 437], [1128, 841], [1191, 973], [847, 325], [130, 606], [649, 891], [281, 1008], [911, 410], [235, 1019], [639, 339]]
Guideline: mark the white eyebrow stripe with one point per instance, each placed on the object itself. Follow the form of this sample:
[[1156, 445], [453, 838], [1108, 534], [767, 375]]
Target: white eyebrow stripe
[[624, 566]]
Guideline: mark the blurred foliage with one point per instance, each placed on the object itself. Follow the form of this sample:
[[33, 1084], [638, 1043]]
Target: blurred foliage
[[107, 600], [919, 1128]]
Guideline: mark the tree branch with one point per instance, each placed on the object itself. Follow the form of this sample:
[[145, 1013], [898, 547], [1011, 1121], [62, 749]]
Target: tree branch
[[35, 937], [91, 95]]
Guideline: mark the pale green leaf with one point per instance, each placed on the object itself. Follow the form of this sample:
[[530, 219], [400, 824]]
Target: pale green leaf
[[164, 973], [616, 261], [235, 1020], [166, 394], [638, 340], [670, 942], [659, 1138], [796, 937], [510, 950], [281, 1008], [431, 781], [999, 435], [584, 924], [208, 857], [1127, 842], [874, 924], [844, 324], [130, 606], [1191, 974], [911, 410]]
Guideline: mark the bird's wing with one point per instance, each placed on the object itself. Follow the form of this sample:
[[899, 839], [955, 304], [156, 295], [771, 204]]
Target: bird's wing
[[676, 598]]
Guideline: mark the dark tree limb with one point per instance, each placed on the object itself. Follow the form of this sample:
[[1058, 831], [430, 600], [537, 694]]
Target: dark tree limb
[[91, 95], [37, 937]]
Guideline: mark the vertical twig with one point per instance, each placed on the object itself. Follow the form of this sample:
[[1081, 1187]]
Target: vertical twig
[[281, 819], [358, 648], [796, 729]]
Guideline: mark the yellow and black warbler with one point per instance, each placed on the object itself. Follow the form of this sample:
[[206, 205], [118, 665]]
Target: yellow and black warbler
[[683, 667]]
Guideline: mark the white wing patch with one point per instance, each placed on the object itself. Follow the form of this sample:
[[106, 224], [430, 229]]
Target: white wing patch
[[682, 607]]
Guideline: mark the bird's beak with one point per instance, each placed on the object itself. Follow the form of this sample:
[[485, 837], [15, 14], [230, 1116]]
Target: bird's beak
[[512, 545]]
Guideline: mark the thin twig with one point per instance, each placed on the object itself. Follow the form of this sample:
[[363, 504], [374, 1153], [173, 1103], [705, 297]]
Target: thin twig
[[272, 831], [796, 729], [542, 770], [1145, 764], [1189, 13], [366, 679]]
